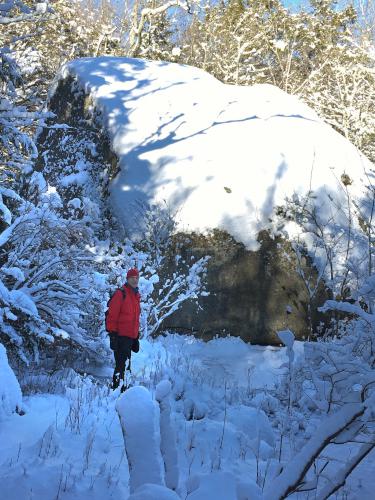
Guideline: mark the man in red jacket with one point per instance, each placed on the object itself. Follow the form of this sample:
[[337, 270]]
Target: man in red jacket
[[122, 323]]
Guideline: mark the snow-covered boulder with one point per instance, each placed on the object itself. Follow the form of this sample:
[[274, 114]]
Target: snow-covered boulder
[[140, 422], [223, 158], [10, 390], [223, 155]]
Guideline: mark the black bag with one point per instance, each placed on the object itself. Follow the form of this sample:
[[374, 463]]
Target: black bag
[[109, 300]]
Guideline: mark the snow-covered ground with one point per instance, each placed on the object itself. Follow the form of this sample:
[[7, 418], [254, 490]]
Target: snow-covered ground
[[224, 413], [183, 138]]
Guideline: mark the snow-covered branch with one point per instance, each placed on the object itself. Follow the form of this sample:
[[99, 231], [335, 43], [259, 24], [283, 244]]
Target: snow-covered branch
[[333, 305], [340, 477], [295, 471], [148, 13], [174, 292]]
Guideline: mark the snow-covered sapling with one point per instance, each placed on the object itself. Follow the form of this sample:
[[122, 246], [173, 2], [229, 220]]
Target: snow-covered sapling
[[167, 433], [287, 338]]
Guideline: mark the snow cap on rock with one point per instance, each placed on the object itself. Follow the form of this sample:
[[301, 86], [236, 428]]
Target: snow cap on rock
[[280, 148]]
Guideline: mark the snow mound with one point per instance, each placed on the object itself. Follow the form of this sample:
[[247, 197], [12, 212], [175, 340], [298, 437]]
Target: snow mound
[[185, 139], [10, 390], [153, 492], [217, 485], [253, 422], [248, 490], [163, 389], [140, 422]]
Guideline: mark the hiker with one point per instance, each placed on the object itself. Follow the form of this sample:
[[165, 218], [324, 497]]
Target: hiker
[[122, 324]]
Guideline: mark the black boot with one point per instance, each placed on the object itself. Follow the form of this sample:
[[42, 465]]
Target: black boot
[[115, 381]]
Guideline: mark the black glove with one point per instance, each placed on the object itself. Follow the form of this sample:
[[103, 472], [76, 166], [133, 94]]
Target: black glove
[[135, 345], [113, 341]]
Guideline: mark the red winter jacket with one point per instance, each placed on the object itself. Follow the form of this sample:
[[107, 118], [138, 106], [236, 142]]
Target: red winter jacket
[[123, 314]]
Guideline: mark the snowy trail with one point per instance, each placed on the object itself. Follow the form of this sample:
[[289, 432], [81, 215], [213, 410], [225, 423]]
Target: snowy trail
[[259, 367], [220, 359], [233, 360], [70, 445]]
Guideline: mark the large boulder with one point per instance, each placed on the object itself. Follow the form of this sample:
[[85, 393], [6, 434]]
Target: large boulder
[[222, 158], [253, 294]]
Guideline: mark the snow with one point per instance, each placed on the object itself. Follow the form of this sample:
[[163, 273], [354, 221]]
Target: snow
[[252, 422], [286, 337], [75, 203], [37, 179], [153, 492], [248, 490], [163, 389], [168, 438], [24, 302], [70, 444], [58, 332], [256, 366], [6, 212], [48, 452], [79, 178], [170, 124], [294, 470], [15, 272], [280, 44], [140, 420], [41, 7], [218, 486], [10, 391]]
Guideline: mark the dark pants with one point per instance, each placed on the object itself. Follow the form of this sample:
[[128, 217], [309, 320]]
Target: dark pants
[[122, 353]]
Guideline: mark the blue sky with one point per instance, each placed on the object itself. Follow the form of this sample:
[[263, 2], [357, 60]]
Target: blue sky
[[294, 5]]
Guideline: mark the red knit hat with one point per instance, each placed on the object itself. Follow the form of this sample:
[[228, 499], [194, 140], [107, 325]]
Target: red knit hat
[[132, 272]]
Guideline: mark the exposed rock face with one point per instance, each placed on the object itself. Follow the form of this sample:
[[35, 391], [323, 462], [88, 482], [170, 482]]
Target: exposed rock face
[[76, 109], [250, 291]]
